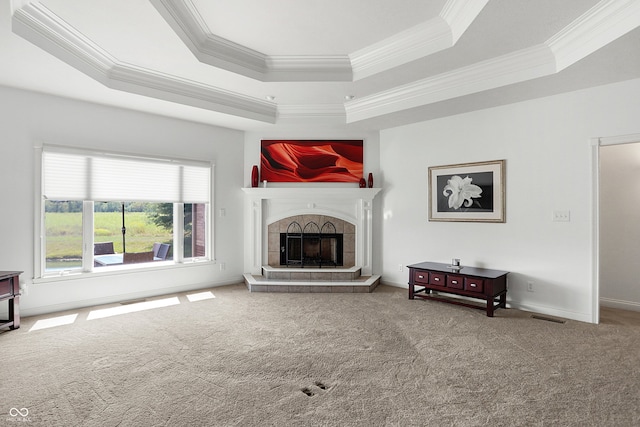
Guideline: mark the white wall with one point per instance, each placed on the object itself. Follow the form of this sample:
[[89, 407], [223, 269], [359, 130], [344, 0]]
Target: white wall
[[28, 119], [620, 225], [546, 144]]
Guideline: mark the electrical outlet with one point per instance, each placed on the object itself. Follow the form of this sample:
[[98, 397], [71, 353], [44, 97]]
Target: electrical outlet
[[222, 266], [561, 216], [400, 268], [529, 286]]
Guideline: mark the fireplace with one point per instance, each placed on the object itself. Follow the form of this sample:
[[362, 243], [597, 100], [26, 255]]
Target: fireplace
[[311, 241], [311, 245], [270, 212]]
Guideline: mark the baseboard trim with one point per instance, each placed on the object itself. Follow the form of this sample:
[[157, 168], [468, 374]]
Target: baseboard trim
[[549, 311], [78, 304], [621, 304]]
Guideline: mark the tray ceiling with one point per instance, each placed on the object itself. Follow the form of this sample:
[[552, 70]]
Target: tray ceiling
[[365, 64]]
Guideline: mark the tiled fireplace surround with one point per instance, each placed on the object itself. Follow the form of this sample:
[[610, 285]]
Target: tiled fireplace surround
[[268, 212], [343, 227]]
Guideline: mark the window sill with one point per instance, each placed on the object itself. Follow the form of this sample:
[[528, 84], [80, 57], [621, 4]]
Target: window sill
[[120, 269]]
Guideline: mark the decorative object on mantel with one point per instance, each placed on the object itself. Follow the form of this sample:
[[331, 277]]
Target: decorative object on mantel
[[311, 160], [370, 181], [473, 192], [254, 176], [363, 183], [264, 184]]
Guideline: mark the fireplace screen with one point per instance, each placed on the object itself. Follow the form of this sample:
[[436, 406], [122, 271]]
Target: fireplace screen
[[311, 245]]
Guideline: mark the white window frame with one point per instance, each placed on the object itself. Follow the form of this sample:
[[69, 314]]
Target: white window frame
[[88, 229]]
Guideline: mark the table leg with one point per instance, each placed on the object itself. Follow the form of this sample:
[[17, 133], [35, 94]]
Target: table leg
[[489, 307], [14, 312]]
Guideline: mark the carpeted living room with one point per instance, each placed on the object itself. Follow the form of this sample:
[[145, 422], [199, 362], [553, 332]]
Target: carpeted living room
[[336, 213], [234, 357]]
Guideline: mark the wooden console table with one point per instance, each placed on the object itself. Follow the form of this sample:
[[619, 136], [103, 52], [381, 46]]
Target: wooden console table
[[480, 283], [10, 290]]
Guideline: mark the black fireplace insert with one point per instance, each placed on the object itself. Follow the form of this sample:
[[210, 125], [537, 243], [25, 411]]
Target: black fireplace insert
[[311, 245]]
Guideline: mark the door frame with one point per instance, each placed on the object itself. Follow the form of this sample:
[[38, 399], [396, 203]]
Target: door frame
[[596, 144]]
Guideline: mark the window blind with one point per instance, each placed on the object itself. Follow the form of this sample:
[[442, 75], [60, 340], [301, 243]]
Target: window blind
[[70, 174]]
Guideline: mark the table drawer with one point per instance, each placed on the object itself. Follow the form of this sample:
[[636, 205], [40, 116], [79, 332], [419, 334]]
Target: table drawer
[[474, 285], [6, 288], [455, 282], [421, 277], [437, 279]]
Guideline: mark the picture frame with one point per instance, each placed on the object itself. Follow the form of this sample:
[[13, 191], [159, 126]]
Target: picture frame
[[301, 160], [467, 192]]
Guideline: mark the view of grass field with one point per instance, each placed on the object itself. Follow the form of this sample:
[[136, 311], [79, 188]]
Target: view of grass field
[[64, 234]]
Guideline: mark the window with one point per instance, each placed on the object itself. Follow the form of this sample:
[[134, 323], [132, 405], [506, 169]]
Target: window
[[63, 231], [103, 210]]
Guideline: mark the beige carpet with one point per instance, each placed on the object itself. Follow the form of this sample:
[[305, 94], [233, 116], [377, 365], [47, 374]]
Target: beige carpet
[[379, 359]]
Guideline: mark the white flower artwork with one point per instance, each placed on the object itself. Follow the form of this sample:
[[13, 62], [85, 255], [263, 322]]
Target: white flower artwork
[[460, 191], [473, 192]]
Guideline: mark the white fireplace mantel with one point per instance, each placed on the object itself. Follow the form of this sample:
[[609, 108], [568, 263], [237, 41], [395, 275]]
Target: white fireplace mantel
[[266, 205]]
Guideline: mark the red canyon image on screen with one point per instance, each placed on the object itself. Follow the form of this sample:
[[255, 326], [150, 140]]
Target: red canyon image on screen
[[311, 161]]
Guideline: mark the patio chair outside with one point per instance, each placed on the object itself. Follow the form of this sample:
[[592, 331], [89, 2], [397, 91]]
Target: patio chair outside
[[137, 257], [103, 248], [162, 252]]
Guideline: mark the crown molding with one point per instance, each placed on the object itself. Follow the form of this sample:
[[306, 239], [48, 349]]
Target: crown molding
[[287, 68], [599, 26], [321, 113], [185, 20], [460, 14], [422, 40], [508, 69], [155, 84], [605, 22], [40, 26], [183, 17], [414, 43]]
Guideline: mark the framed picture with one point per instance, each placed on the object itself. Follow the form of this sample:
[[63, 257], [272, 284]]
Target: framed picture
[[472, 192], [311, 160]]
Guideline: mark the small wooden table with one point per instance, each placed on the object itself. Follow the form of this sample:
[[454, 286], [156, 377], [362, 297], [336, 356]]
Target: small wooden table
[[480, 283], [10, 290]]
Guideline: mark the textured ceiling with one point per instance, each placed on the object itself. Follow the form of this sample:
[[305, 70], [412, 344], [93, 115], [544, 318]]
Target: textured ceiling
[[251, 64]]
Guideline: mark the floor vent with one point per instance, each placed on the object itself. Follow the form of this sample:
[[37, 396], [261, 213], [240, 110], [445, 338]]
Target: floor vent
[[548, 319]]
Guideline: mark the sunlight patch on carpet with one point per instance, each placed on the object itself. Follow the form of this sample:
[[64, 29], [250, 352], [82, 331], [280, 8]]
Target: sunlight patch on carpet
[[54, 321], [131, 308], [200, 296]]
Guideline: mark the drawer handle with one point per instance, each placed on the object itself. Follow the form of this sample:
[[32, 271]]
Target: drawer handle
[[473, 285], [437, 279], [455, 282], [420, 277]]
